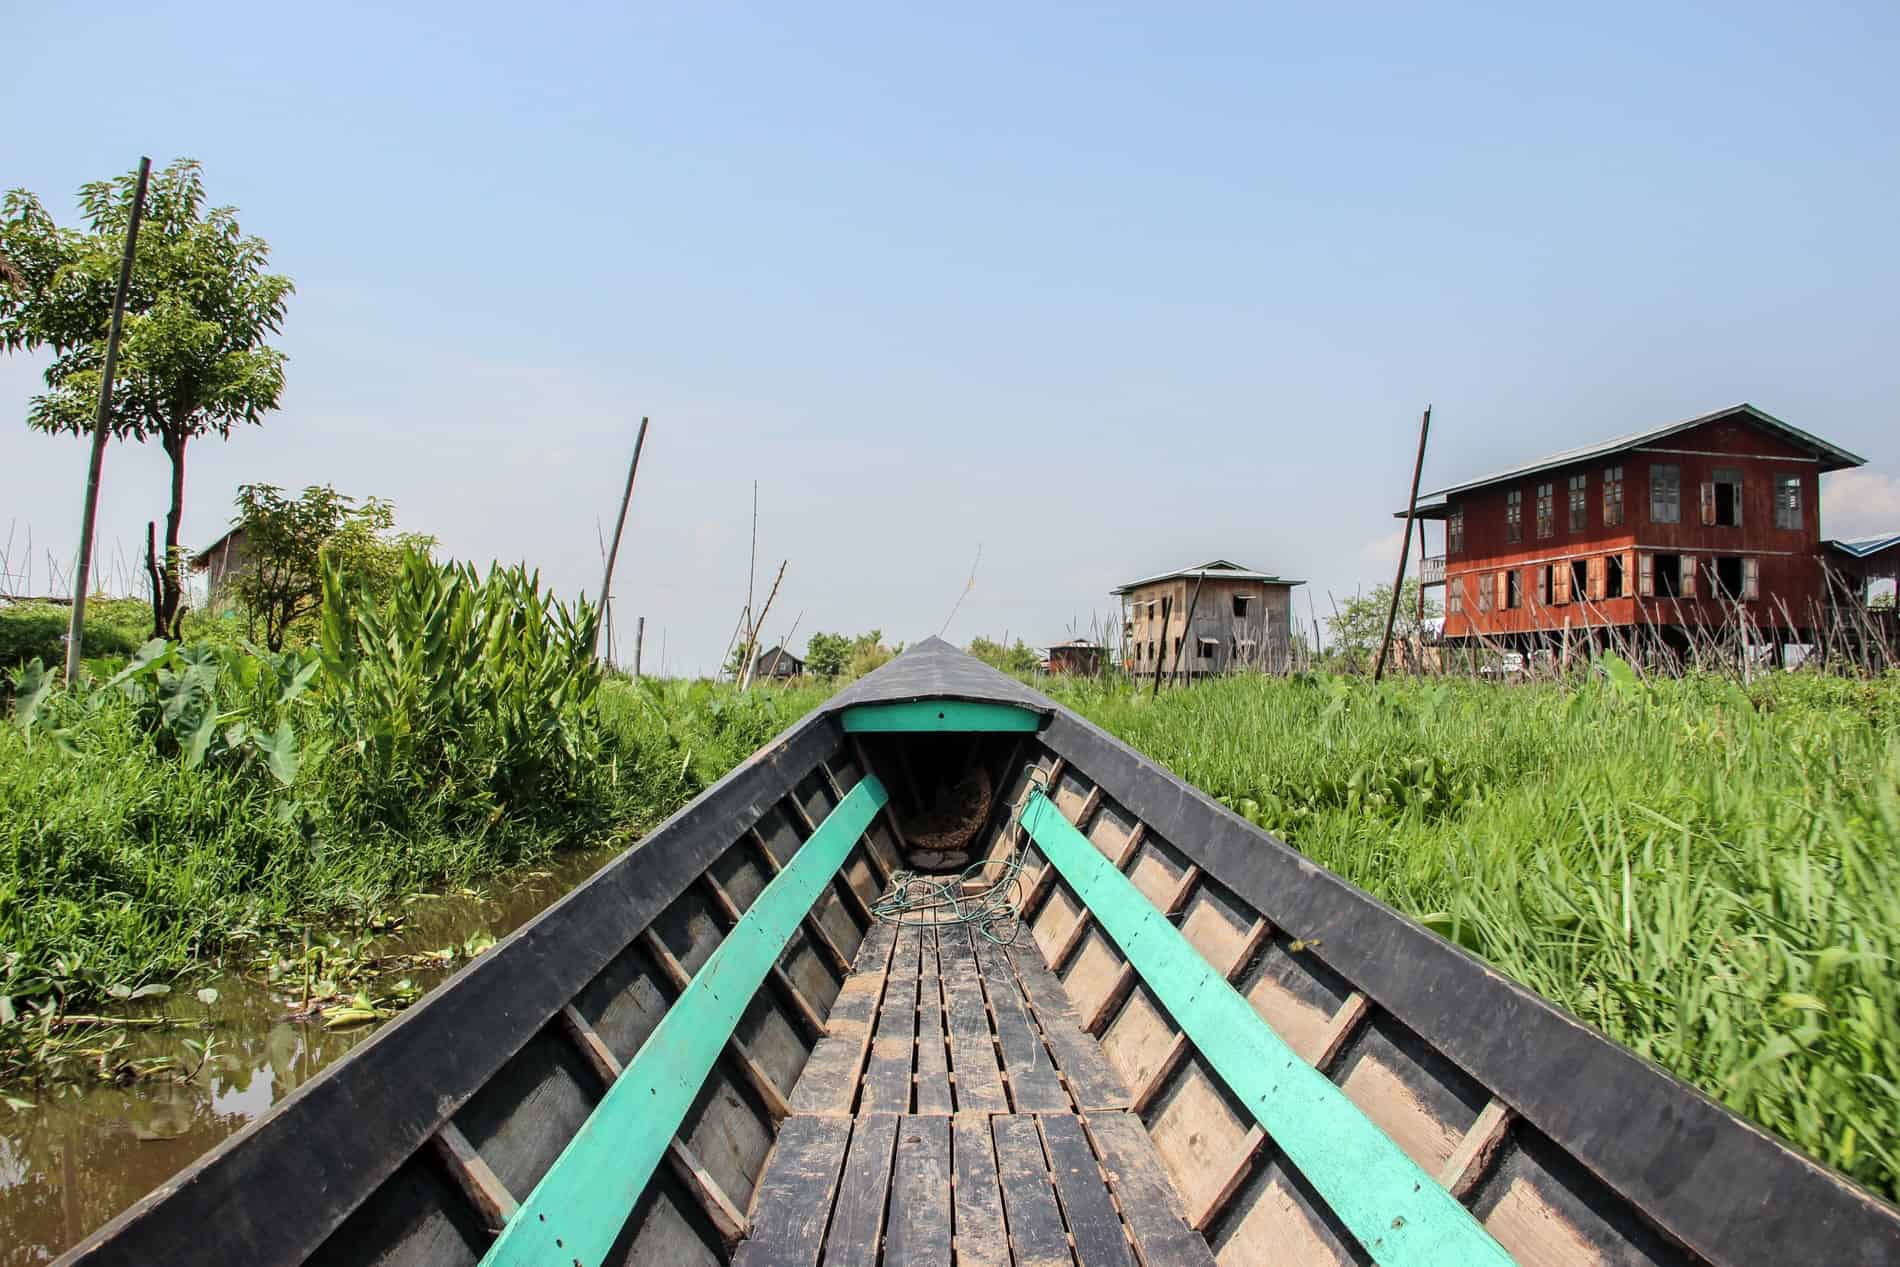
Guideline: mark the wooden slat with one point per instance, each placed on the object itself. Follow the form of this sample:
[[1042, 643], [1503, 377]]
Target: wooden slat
[[1035, 1223], [584, 1198], [829, 1083], [981, 1239], [1046, 878], [736, 1053], [887, 1074], [1150, 1205], [857, 1217], [1396, 1211], [477, 1180], [1092, 1083], [813, 928], [979, 1080], [890, 814], [1033, 1087], [1178, 1048], [1093, 1224], [793, 1200], [720, 1210], [1466, 1166], [933, 1065], [919, 1232], [999, 806]]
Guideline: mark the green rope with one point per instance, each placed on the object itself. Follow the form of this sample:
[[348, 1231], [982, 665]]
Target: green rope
[[993, 909]]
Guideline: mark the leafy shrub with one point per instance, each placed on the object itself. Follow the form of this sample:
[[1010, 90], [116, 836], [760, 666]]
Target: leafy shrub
[[28, 631]]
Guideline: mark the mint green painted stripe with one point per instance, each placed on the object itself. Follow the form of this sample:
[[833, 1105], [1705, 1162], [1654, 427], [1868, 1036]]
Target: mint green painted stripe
[[578, 1208], [939, 714], [1396, 1210]]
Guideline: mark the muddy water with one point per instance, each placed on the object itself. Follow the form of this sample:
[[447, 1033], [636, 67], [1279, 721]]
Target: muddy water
[[82, 1154]]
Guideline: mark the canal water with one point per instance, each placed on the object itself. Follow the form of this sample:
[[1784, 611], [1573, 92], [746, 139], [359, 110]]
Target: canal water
[[82, 1153]]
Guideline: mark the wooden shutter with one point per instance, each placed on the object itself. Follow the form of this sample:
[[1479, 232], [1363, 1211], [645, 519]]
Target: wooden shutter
[[1686, 577], [1708, 501], [1646, 575], [1560, 583], [1751, 580], [1503, 580]]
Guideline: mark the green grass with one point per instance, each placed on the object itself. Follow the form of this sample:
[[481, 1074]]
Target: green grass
[[114, 627], [1708, 875]]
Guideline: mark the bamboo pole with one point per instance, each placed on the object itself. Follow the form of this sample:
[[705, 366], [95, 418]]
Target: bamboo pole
[[620, 526], [752, 643], [82, 575], [1411, 511], [639, 644]]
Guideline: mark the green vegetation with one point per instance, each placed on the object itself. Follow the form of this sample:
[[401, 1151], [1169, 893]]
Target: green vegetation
[[840, 655], [195, 359], [209, 801], [37, 631], [1707, 874], [1020, 659]]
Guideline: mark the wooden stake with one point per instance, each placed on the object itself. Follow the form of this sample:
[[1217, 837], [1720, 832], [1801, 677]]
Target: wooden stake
[[620, 526], [639, 643], [752, 643], [82, 572], [1411, 510]]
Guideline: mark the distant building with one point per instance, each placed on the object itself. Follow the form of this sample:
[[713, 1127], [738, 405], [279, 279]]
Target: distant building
[[1078, 655], [777, 663], [222, 562], [1861, 566], [1655, 535], [1240, 619]]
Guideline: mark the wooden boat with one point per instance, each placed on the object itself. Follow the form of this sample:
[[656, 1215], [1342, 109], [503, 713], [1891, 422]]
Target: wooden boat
[[1192, 1046]]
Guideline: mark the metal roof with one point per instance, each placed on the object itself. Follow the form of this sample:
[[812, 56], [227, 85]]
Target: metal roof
[[1861, 547], [1215, 569], [1832, 457]]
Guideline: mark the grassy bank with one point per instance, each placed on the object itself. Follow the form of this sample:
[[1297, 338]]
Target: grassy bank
[[206, 800], [1711, 876]]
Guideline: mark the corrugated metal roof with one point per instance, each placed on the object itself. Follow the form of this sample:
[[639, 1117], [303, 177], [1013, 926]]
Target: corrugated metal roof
[[1861, 547], [1832, 457], [1213, 569]]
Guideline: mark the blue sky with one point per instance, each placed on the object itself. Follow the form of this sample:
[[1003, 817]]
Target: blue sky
[[1103, 290]]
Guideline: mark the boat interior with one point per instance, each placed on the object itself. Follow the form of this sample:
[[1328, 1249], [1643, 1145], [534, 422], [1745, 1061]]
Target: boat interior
[[944, 975]]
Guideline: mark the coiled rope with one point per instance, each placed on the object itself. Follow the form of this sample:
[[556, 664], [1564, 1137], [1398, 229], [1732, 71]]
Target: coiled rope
[[987, 895]]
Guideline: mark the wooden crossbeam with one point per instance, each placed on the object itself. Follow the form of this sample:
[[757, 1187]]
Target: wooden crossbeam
[[1470, 1161], [813, 928], [719, 1208], [474, 1177], [1179, 1047], [737, 1054], [1125, 978]]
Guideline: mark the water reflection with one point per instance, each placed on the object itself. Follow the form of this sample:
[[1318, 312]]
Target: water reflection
[[84, 1153]]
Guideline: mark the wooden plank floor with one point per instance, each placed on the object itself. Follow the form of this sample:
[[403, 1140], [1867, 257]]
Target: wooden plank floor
[[956, 1114]]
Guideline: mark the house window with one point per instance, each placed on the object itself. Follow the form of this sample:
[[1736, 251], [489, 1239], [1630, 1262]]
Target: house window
[[1579, 507], [1513, 589], [1240, 606], [1613, 582], [1612, 496], [1666, 576], [1580, 580], [1486, 589], [1542, 580], [1665, 493], [1728, 578], [1455, 532], [1514, 515], [1546, 511], [1455, 596], [1788, 501], [1207, 647], [1722, 499]]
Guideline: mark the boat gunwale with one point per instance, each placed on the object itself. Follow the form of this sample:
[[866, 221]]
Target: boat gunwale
[[306, 1164], [1745, 1195]]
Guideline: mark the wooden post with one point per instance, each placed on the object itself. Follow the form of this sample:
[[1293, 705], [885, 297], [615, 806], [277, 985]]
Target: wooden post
[[639, 642], [82, 574], [752, 643], [1398, 582], [620, 525], [1187, 631]]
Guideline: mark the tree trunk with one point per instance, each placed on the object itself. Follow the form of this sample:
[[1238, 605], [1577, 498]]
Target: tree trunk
[[174, 586]]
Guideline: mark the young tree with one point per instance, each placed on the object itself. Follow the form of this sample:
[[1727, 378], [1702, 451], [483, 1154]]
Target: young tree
[[286, 542], [193, 360], [1356, 630], [1020, 658]]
